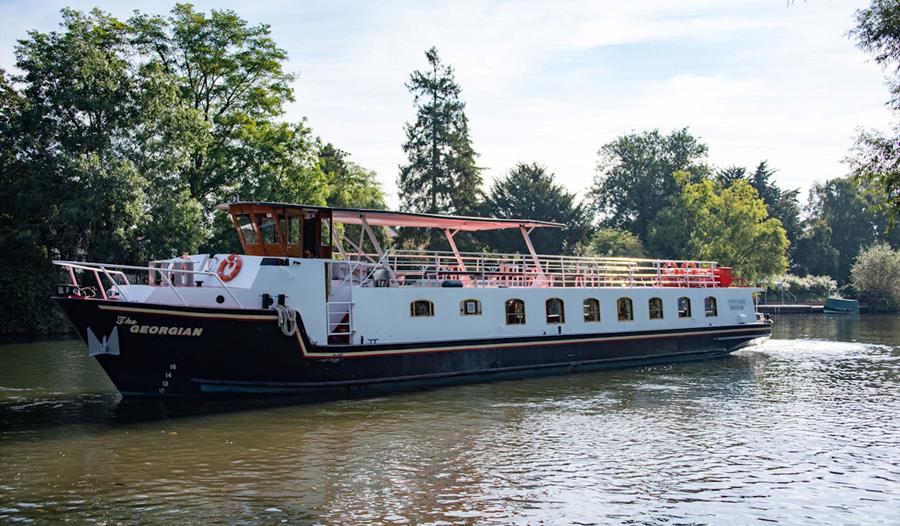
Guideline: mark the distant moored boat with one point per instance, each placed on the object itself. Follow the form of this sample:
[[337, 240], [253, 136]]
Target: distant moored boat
[[841, 306]]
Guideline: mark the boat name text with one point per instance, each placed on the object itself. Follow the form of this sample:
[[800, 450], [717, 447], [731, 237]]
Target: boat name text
[[162, 330]]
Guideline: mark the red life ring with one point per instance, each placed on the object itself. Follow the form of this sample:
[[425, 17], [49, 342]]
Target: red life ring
[[229, 267], [670, 264]]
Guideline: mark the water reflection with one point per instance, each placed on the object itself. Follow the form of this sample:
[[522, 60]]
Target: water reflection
[[801, 430]]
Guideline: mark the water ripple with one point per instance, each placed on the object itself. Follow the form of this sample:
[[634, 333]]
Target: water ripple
[[794, 431]]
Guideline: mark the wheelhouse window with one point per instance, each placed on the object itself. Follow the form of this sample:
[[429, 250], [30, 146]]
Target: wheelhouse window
[[246, 226], [556, 311], [625, 309], [421, 308], [684, 307], [591, 310], [290, 229], [515, 312], [711, 306], [656, 308], [266, 228], [470, 308]]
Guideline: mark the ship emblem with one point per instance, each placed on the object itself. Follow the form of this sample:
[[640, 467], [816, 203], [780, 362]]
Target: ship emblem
[[109, 345]]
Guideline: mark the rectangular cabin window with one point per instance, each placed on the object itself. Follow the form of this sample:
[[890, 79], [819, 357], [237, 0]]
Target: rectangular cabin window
[[421, 308], [656, 308], [326, 232], [591, 310], [515, 312], [710, 306], [293, 230], [266, 225], [470, 308], [247, 231]]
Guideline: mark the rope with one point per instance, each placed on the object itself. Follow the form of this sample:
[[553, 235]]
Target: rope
[[287, 319]]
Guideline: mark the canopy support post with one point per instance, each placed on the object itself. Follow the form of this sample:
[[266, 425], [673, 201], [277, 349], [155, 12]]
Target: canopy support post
[[534, 256], [337, 243], [372, 238], [459, 259]]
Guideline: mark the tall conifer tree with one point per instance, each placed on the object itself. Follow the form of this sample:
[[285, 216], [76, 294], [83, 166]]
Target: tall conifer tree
[[441, 176]]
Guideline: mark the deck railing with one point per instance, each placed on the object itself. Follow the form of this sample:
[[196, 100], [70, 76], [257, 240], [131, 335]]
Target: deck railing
[[400, 268], [116, 277]]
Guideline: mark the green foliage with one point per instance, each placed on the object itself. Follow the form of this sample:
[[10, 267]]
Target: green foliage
[[875, 158], [875, 163], [349, 185], [612, 242], [805, 288], [441, 176], [729, 225], [529, 191], [877, 32], [876, 277], [781, 204], [842, 218], [635, 177], [814, 253], [117, 139], [228, 74]]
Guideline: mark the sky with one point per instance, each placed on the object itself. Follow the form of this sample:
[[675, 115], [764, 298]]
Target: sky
[[551, 82]]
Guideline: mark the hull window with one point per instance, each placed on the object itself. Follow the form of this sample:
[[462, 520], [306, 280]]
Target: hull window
[[656, 308], [625, 309], [470, 308], [421, 308], [684, 307], [515, 312], [710, 306], [556, 311], [591, 310]]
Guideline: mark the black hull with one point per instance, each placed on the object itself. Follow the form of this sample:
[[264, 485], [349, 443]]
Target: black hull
[[186, 351]]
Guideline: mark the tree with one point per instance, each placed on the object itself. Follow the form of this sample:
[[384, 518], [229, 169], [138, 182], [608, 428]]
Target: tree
[[529, 191], [611, 242], [781, 204], [635, 176], [876, 276], [228, 74], [875, 158], [847, 210], [729, 225], [877, 32], [349, 185], [117, 138], [441, 176], [814, 253]]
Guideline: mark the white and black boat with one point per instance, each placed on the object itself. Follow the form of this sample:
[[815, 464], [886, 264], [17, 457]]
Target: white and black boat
[[316, 306]]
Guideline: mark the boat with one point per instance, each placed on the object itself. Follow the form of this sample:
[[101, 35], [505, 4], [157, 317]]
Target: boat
[[315, 304], [841, 306]]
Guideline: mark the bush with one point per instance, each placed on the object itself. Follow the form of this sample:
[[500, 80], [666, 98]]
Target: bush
[[876, 277], [612, 242], [808, 288]]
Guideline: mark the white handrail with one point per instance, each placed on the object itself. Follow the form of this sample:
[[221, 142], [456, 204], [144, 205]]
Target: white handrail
[[106, 267]]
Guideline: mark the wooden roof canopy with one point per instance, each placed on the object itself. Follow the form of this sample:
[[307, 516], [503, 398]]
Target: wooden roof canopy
[[282, 229]]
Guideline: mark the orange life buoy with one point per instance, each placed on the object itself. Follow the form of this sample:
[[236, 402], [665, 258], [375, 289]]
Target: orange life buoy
[[229, 267]]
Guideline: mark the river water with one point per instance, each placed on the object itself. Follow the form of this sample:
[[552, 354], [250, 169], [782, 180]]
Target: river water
[[804, 429]]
